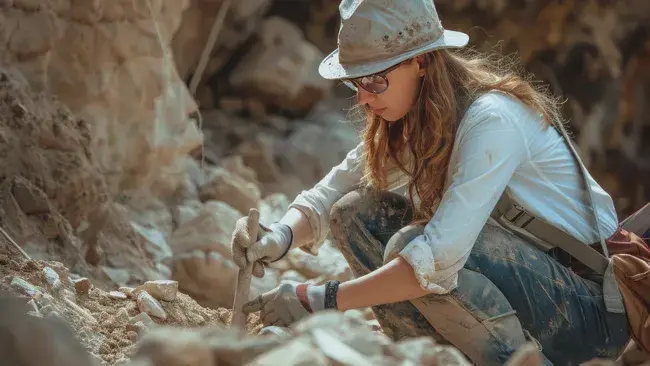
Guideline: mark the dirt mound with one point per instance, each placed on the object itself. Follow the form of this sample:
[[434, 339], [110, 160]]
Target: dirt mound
[[107, 324]]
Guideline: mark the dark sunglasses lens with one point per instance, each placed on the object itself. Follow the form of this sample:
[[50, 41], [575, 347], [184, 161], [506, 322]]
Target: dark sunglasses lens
[[374, 84]]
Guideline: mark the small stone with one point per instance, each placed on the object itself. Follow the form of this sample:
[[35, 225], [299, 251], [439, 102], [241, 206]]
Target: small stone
[[83, 285], [117, 295], [31, 305], [53, 315], [122, 316], [165, 290], [44, 299], [47, 309], [24, 286], [138, 327], [144, 318], [132, 336], [147, 304], [128, 291], [52, 278]]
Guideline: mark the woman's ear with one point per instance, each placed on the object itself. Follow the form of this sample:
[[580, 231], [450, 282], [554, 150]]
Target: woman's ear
[[421, 66]]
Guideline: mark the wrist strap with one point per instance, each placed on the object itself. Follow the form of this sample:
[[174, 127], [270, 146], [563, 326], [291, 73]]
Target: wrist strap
[[288, 246], [331, 290]]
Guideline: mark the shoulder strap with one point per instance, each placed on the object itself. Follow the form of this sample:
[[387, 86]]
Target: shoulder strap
[[586, 186], [545, 235]]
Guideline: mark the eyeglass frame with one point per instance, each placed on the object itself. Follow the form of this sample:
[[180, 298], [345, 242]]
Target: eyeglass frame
[[352, 84]]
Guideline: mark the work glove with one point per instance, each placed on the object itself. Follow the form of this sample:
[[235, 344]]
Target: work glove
[[287, 303], [271, 244]]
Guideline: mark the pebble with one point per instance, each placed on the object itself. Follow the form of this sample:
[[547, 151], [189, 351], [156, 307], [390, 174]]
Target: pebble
[[117, 295], [47, 309], [128, 291], [24, 286], [165, 290], [82, 285], [31, 305], [52, 278], [122, 316], [147, 304], [138, 327], [144, 318], [132, 336]]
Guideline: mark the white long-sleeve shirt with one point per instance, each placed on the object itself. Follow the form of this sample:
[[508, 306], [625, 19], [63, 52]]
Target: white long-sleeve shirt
[[501, 144]]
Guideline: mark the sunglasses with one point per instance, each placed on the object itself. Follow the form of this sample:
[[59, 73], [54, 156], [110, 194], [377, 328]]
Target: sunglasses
[[375, 83]]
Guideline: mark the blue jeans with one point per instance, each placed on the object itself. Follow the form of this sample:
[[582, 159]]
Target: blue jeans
[[509, 290]]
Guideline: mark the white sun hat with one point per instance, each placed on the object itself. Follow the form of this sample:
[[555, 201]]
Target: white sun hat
[[377, 34]]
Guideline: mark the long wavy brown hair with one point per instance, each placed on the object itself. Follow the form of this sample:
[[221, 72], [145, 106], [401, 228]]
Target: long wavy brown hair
[[420, 143]]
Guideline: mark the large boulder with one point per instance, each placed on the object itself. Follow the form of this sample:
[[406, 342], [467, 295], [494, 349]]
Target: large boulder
[[110, 62], [282, 68]]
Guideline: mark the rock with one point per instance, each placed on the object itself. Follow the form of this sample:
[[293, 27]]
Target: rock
[[329, 264], [119, 276], [128, 291], [144, 318], [210, 230], [185, 212], [293, 275], [282, 68], [191, 37], [164, 290], [232, 189], [46, 309], [82, 285], [31, 305], [138, 327], [313, 150], [273, 207], [300, 351], [35, 314], [24, 286], [147, 304], [122, 316], [275, 331], [117, 295], [52, 278]]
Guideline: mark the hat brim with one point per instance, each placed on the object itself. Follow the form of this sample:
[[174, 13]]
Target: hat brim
[[330, 68]]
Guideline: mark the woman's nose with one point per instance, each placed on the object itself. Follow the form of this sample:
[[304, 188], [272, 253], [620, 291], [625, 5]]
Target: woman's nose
[[364, 97]]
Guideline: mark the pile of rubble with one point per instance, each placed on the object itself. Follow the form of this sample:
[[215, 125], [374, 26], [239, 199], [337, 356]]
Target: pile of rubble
[[155, 324]]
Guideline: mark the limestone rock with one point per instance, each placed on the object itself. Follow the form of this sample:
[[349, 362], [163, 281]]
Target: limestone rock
[[82, 285], [103, 60], [282, 68], [24, 286], [117, 295], [198, 18], [52, 278], [164, 290], [210, 230], [232, 189], [328, 264], [147, 304]]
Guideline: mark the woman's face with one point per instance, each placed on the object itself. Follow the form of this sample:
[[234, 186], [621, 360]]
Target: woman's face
[[397, 100]]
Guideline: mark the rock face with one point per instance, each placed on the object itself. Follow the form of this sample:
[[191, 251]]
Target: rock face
[[281, 67], [109, 61]]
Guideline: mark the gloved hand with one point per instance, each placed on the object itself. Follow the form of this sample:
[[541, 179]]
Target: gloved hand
[[287, 303], [271, 243]]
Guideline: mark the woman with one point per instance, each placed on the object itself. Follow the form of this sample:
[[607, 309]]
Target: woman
[[409, 208]]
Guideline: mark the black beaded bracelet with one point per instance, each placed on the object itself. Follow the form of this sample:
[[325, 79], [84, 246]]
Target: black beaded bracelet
[[288, 246], [331, 290]]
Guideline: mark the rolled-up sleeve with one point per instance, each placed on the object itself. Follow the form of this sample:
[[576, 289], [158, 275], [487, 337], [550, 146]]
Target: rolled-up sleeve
[[317, 202], [488, 149]]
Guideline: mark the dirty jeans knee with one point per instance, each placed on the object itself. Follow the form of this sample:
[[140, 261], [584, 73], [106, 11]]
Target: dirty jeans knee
[[362, 223]]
